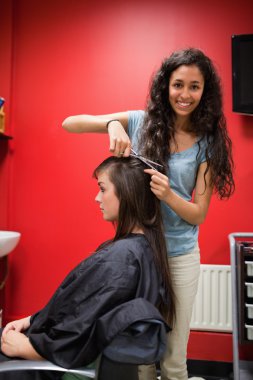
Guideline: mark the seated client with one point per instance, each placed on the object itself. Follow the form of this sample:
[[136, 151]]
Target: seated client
[[128, 272]]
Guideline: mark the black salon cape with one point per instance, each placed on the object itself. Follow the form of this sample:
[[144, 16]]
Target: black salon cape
[[99, 298]]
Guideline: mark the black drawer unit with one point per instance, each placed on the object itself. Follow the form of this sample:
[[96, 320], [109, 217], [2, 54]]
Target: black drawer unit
[[241, 253], [244, 258]]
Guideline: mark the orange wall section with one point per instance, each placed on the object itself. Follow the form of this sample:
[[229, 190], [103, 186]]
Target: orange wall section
[[85, 57]]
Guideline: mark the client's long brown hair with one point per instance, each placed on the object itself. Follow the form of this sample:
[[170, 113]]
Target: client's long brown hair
[[139, 207]]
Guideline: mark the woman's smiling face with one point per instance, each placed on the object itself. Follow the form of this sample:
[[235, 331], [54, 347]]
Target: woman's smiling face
[[186, 87], [106, 197]]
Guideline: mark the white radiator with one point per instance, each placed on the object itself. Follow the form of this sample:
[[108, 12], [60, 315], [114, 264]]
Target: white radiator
[[212, 310]]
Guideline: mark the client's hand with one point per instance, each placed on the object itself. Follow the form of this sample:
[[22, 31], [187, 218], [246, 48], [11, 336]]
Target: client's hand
[[18, 325], [11, 342], [16, 344]]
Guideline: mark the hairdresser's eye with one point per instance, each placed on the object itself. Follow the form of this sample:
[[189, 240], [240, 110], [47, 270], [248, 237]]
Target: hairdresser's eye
[[177, 85], [195, 87]]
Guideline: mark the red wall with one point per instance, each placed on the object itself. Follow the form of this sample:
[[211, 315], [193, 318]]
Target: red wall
[[78, 56], [5, 91]]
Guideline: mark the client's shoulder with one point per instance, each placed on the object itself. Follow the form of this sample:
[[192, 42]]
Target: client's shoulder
[[131, 246]]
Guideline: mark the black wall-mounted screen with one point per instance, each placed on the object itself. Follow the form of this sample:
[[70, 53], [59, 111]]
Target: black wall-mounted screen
[[242, 71]]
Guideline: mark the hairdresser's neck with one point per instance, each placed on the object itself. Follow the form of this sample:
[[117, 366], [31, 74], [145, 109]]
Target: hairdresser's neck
[[182, 123]]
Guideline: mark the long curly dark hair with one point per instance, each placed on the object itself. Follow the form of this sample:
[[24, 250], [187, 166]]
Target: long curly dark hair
[[207, 120]]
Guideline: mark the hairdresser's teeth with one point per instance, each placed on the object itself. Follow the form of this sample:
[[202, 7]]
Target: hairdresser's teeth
[[181, 104]]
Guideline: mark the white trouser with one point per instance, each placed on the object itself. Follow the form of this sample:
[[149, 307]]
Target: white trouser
[[185, 274]]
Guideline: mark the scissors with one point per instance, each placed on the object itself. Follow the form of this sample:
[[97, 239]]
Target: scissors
[[145, 160]]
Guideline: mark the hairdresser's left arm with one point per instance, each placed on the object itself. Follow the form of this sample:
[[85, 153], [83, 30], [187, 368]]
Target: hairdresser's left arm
[[16, 344], [192, 212]]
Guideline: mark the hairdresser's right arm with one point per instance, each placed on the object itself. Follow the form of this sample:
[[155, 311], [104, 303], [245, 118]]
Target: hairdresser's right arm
[[117, 130]]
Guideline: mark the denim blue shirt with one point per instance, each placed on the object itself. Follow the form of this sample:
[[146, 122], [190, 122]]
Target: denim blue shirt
[[181, 237]]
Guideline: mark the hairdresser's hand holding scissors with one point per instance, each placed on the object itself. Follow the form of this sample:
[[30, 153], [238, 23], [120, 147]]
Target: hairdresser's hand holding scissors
[[114, 124], [120, 143]]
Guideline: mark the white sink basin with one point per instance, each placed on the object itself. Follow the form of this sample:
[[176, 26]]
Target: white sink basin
[[8, 241]]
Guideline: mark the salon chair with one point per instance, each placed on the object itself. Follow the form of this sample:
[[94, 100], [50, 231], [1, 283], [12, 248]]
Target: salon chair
[[143, 342]]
